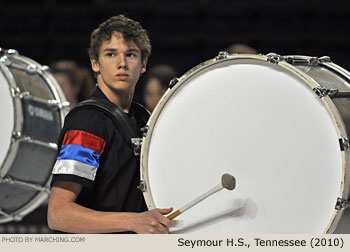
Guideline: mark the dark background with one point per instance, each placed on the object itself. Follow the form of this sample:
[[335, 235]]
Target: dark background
[[184, 33]]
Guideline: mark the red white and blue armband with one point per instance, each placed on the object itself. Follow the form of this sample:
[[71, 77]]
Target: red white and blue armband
[[79, 155]]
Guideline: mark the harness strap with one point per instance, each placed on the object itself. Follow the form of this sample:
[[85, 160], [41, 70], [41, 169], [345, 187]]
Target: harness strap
[[117, 115]]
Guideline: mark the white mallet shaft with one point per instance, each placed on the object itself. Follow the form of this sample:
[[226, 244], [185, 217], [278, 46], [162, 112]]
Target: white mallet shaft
[[227, 181]]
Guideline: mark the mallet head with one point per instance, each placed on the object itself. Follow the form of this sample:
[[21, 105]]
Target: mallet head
[[228, 181]]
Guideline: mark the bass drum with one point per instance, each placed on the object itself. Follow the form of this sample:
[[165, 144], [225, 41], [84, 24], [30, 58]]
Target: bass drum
[[33, 108], [279, 125]]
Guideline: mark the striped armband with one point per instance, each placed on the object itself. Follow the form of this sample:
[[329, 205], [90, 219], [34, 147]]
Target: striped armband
[[80, 154]]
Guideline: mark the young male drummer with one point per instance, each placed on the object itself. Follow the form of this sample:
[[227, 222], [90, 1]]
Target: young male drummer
[[95, 178]]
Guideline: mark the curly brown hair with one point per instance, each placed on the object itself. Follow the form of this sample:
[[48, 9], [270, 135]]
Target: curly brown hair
[[132, 32]]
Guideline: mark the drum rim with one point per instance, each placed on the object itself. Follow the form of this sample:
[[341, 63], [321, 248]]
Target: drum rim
[[17, 123], [59, 96], [18, 118], [327, 101]]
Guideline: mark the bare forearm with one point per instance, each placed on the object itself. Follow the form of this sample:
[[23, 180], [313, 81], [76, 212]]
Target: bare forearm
[[73, 218], [67, 216]]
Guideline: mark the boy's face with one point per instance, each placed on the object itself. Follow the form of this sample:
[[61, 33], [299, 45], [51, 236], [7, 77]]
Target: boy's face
[[119, 65]]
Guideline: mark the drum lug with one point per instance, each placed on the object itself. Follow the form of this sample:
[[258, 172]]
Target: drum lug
[[221, 56], [322, 92], [32, 69], [142, 186], [274, 58], [144, 130], [312, 61], [344, 144], [136, 143], [12, 52], [342, 204]]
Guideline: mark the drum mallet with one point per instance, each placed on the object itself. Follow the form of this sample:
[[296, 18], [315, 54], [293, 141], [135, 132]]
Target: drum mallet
[[227, 181]]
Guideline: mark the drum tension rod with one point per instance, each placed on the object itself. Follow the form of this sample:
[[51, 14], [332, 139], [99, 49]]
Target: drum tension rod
[[342, 204], [14, 217], [295, 60], [322, 92], [10, 180], [333, 93], [307, 61], [58, 104], [16, 92], [341, 94], [3, 213], [51, 103], [18, 136]]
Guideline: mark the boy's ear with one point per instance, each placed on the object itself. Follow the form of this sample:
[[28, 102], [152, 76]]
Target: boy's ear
[[144, 64], [94, 65]]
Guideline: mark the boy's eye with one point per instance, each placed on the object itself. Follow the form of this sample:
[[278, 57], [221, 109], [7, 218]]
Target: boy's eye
[[110, 54]]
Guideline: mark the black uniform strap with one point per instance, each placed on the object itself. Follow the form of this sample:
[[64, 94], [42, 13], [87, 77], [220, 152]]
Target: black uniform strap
[[117, 115], [141, 113]]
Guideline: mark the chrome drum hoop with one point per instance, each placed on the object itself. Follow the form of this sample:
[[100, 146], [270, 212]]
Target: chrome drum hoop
[[301, 72], [38, 110]]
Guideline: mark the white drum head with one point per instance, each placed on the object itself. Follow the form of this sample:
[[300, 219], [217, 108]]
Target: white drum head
[[258, 122], [7, 118]]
